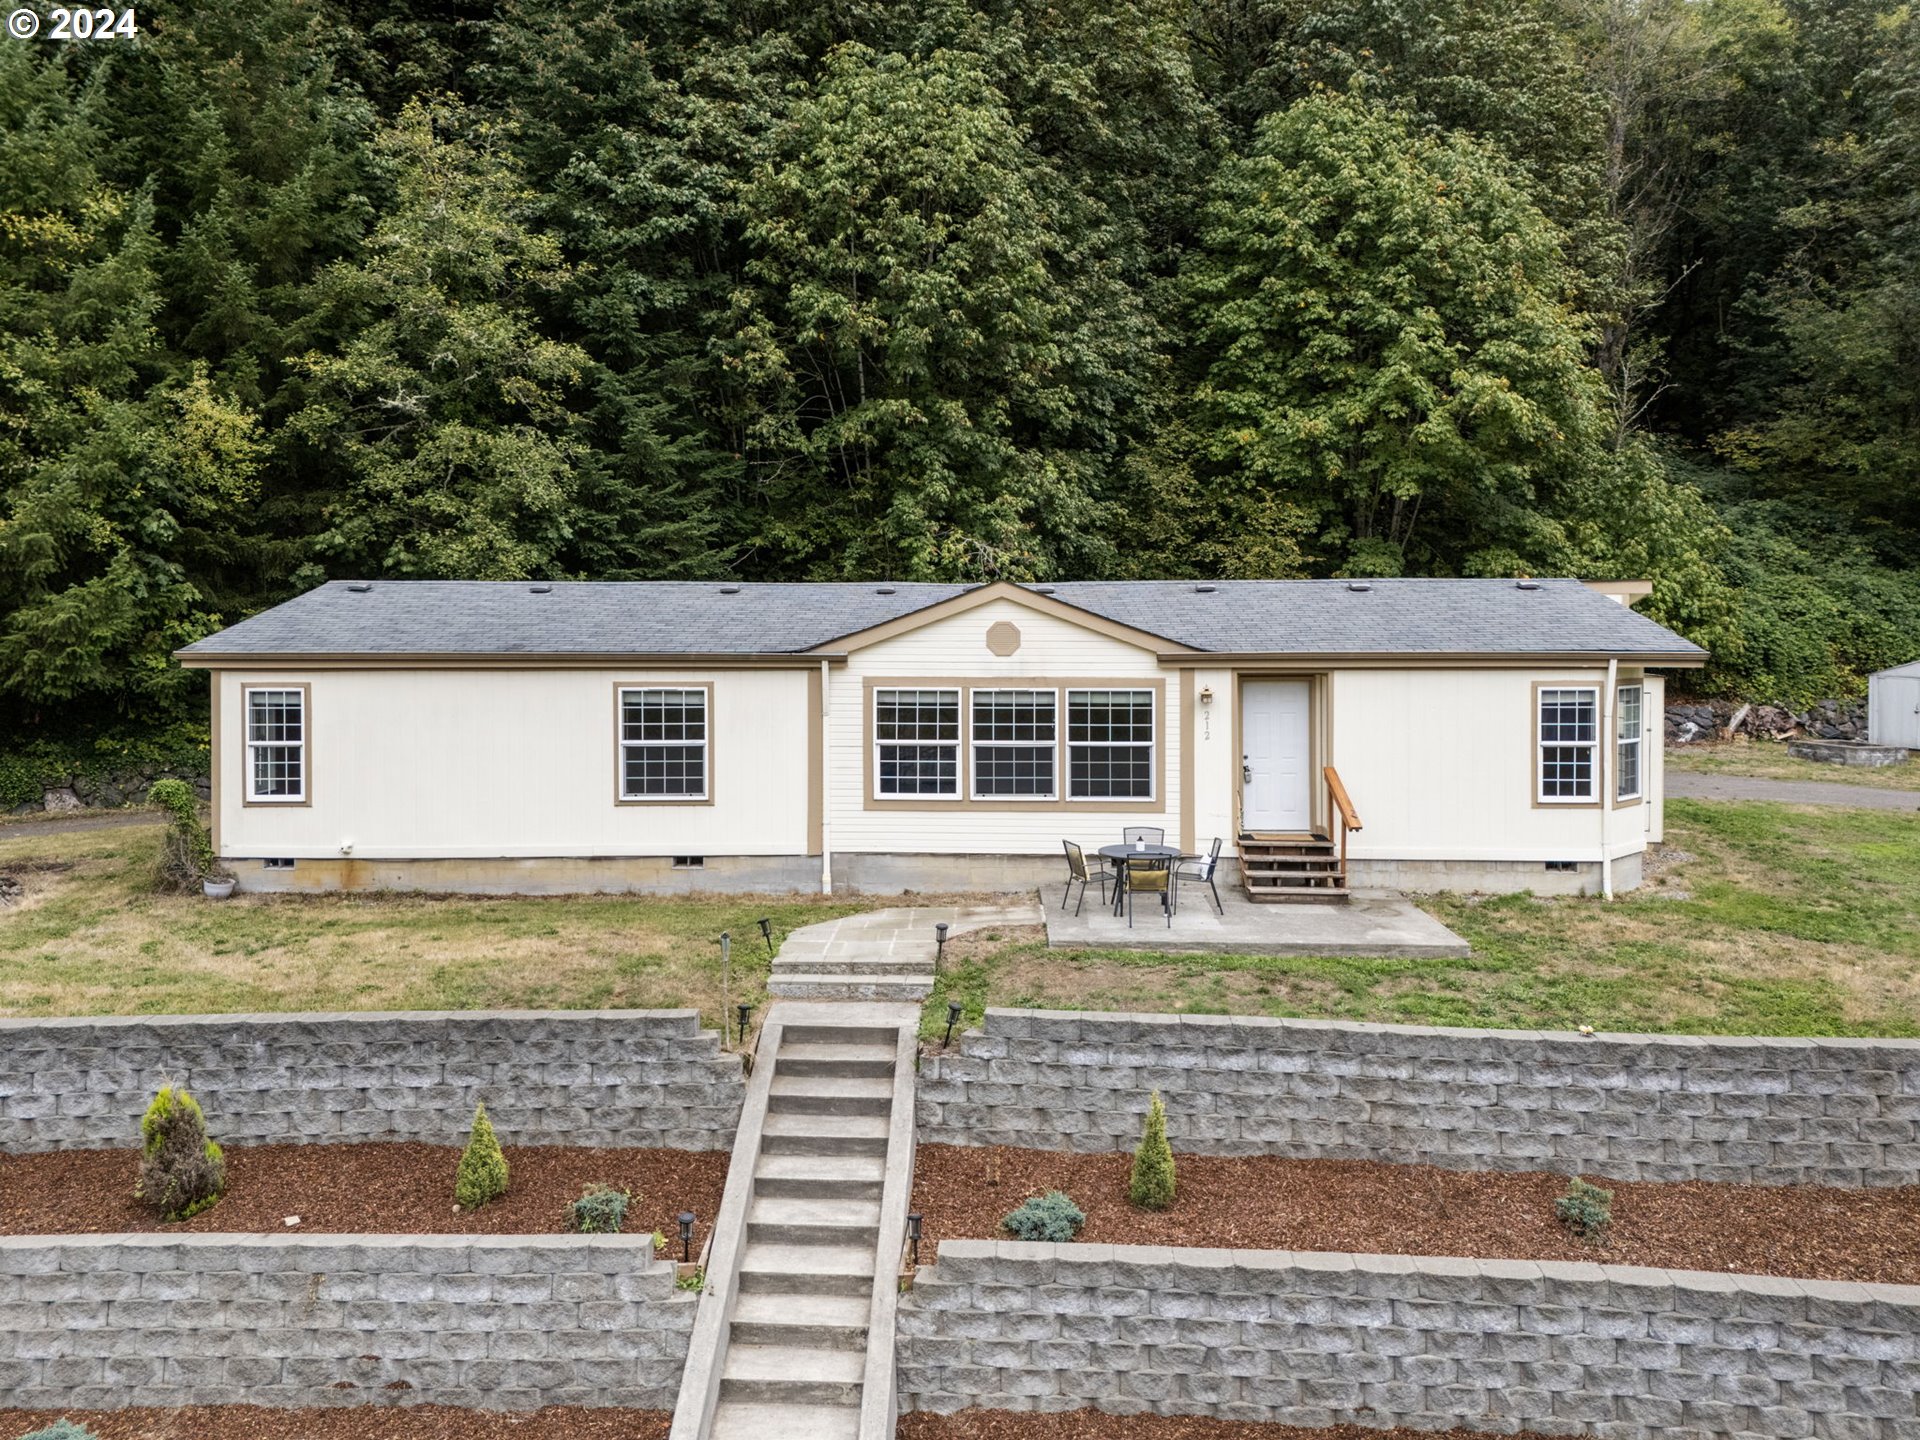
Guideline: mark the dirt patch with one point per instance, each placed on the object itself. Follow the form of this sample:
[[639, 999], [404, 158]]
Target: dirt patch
[[380, 1188], [1267, 1203], [1092, 1425], [411, 1422]]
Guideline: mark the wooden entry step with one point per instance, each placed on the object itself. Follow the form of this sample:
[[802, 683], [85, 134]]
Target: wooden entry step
[[1292, 869]]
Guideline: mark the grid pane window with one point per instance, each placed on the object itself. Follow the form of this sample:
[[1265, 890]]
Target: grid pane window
[[1629, 745], [1014, 735], [916, 742], [663, 744], [1110, 741], [1569, 723], [276, 745]]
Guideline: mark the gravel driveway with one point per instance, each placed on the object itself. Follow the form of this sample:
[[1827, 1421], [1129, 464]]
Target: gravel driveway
[[1787, 792]]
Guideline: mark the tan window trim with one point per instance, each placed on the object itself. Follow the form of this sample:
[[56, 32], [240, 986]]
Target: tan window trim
[[1601, 770], [654, 682], [1005, 805], [247, 797]]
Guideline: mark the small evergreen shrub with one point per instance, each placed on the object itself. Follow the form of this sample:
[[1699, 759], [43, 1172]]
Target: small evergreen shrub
[[186, 850], [1151, 1184], [62, 1430], [482, 1175], [1051, 1216], [600, 1210], [182, 1172], [1586, 1210]]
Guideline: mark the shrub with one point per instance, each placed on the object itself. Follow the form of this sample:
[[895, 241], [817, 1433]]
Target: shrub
[[1151, 1184], [62, 1430], [182, 1172], [1051, 1216], [600, 1210], [1585, 1209], [482, 1175], [186, 851]]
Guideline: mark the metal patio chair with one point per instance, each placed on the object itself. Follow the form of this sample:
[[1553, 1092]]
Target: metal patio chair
[[1152, 834], [1152, 874], [1079, 874], [1192, 867]]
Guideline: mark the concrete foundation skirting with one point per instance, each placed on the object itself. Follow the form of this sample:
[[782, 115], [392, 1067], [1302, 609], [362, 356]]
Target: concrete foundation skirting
[[1493, 877], [606, 1077], [1318, 1339], [100, 1322], [1630, 1107]]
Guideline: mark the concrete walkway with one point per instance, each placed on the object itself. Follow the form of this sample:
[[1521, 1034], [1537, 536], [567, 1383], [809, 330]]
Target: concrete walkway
[[1372, 923], [1788, 792], [879, 955]]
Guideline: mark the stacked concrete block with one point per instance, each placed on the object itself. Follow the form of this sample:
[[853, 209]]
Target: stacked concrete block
[[1630, 1107], [508, 1323], [627, 1078], [1316, 1339]]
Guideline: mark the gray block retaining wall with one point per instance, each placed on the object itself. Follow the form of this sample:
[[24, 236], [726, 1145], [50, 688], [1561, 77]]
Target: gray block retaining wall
[[1317, 1339], [1632, 1107], [509, 1322], [615, 1078]]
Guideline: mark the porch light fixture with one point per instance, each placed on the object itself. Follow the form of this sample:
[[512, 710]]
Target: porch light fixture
[[745, 1010], [913, 1236], [953, 1019], [1206, 694], [766, 934], [686, 1237], [939, 943]]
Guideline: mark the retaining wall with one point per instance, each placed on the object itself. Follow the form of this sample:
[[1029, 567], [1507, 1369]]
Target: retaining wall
[[1318, 1339], [510, 1322], [625, 1078], [1631, 1107]]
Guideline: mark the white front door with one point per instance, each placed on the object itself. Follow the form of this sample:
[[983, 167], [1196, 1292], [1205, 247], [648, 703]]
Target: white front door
[[1276, 768]]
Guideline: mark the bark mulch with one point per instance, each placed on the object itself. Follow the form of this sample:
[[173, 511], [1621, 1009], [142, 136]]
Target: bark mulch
[[1092, 1425], [370, 1188], [1267, 1203], [385, 1422]]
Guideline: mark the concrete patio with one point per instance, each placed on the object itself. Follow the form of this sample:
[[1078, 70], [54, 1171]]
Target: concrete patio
[[1375, 922]]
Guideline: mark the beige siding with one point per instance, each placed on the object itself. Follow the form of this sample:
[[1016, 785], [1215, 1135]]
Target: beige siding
[[956, 649], [461, 763], [1439, 764]]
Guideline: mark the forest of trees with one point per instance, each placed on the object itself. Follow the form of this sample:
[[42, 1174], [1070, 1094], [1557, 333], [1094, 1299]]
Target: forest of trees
[[957, 289]]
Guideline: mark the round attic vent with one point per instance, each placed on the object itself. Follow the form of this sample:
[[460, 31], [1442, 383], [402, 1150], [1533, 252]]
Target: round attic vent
[[360, 587]]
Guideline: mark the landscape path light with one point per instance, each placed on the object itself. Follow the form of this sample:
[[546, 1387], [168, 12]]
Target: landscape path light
[[766, 933], [953, 1018], [686, 1237], [939, 943], [913, 1236], [745, 1010]]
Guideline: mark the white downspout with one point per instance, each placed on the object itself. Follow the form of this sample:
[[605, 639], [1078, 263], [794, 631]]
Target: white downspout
[[1603, 779], [826, 781]]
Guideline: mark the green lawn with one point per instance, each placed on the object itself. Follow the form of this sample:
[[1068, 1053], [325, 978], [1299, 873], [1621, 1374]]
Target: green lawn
[[1769, 760], [90, 938], [1763, 919]]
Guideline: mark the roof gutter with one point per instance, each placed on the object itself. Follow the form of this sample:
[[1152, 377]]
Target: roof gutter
[[1681, 659], [497, 660]]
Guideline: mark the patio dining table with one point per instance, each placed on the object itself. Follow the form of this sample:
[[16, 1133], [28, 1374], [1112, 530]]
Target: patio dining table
[[1118, 855]]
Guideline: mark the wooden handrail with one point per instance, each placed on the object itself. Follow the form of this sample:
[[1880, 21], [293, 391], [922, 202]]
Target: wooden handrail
[[1338, 793]]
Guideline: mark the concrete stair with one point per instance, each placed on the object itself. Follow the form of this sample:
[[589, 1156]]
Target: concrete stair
[[795, 1352]]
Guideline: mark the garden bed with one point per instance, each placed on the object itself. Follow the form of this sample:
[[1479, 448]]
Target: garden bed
[[1269, 1203], [1092, 1425], [419, 1422], [367, 1188]]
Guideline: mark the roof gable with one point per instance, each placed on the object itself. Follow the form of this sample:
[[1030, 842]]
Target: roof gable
[[1029, 598]]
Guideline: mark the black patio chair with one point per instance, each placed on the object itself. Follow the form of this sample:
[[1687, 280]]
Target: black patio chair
[[1192, 867], [1079, 874], [1152, 834]]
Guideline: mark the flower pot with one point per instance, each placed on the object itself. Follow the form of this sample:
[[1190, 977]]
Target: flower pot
[[216, 889]]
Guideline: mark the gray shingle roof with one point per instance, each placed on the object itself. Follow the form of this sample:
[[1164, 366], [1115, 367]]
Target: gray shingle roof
[[1290, 617]]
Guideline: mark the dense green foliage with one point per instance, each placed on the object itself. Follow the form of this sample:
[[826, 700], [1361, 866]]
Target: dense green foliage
[[182, 1172], [294, 289], [481, 1174]]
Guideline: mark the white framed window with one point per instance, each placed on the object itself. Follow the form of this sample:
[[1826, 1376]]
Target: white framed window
[[916, 743], [665, 742], [1569, 744], [1631, 725], [1015, 744], [276, 744], [1110, 744]]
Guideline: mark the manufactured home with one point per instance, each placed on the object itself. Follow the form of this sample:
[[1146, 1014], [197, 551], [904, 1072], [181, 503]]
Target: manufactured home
[[548, 738]]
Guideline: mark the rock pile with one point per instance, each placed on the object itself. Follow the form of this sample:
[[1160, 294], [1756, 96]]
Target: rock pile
[[1723, 719], [84, 791]]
